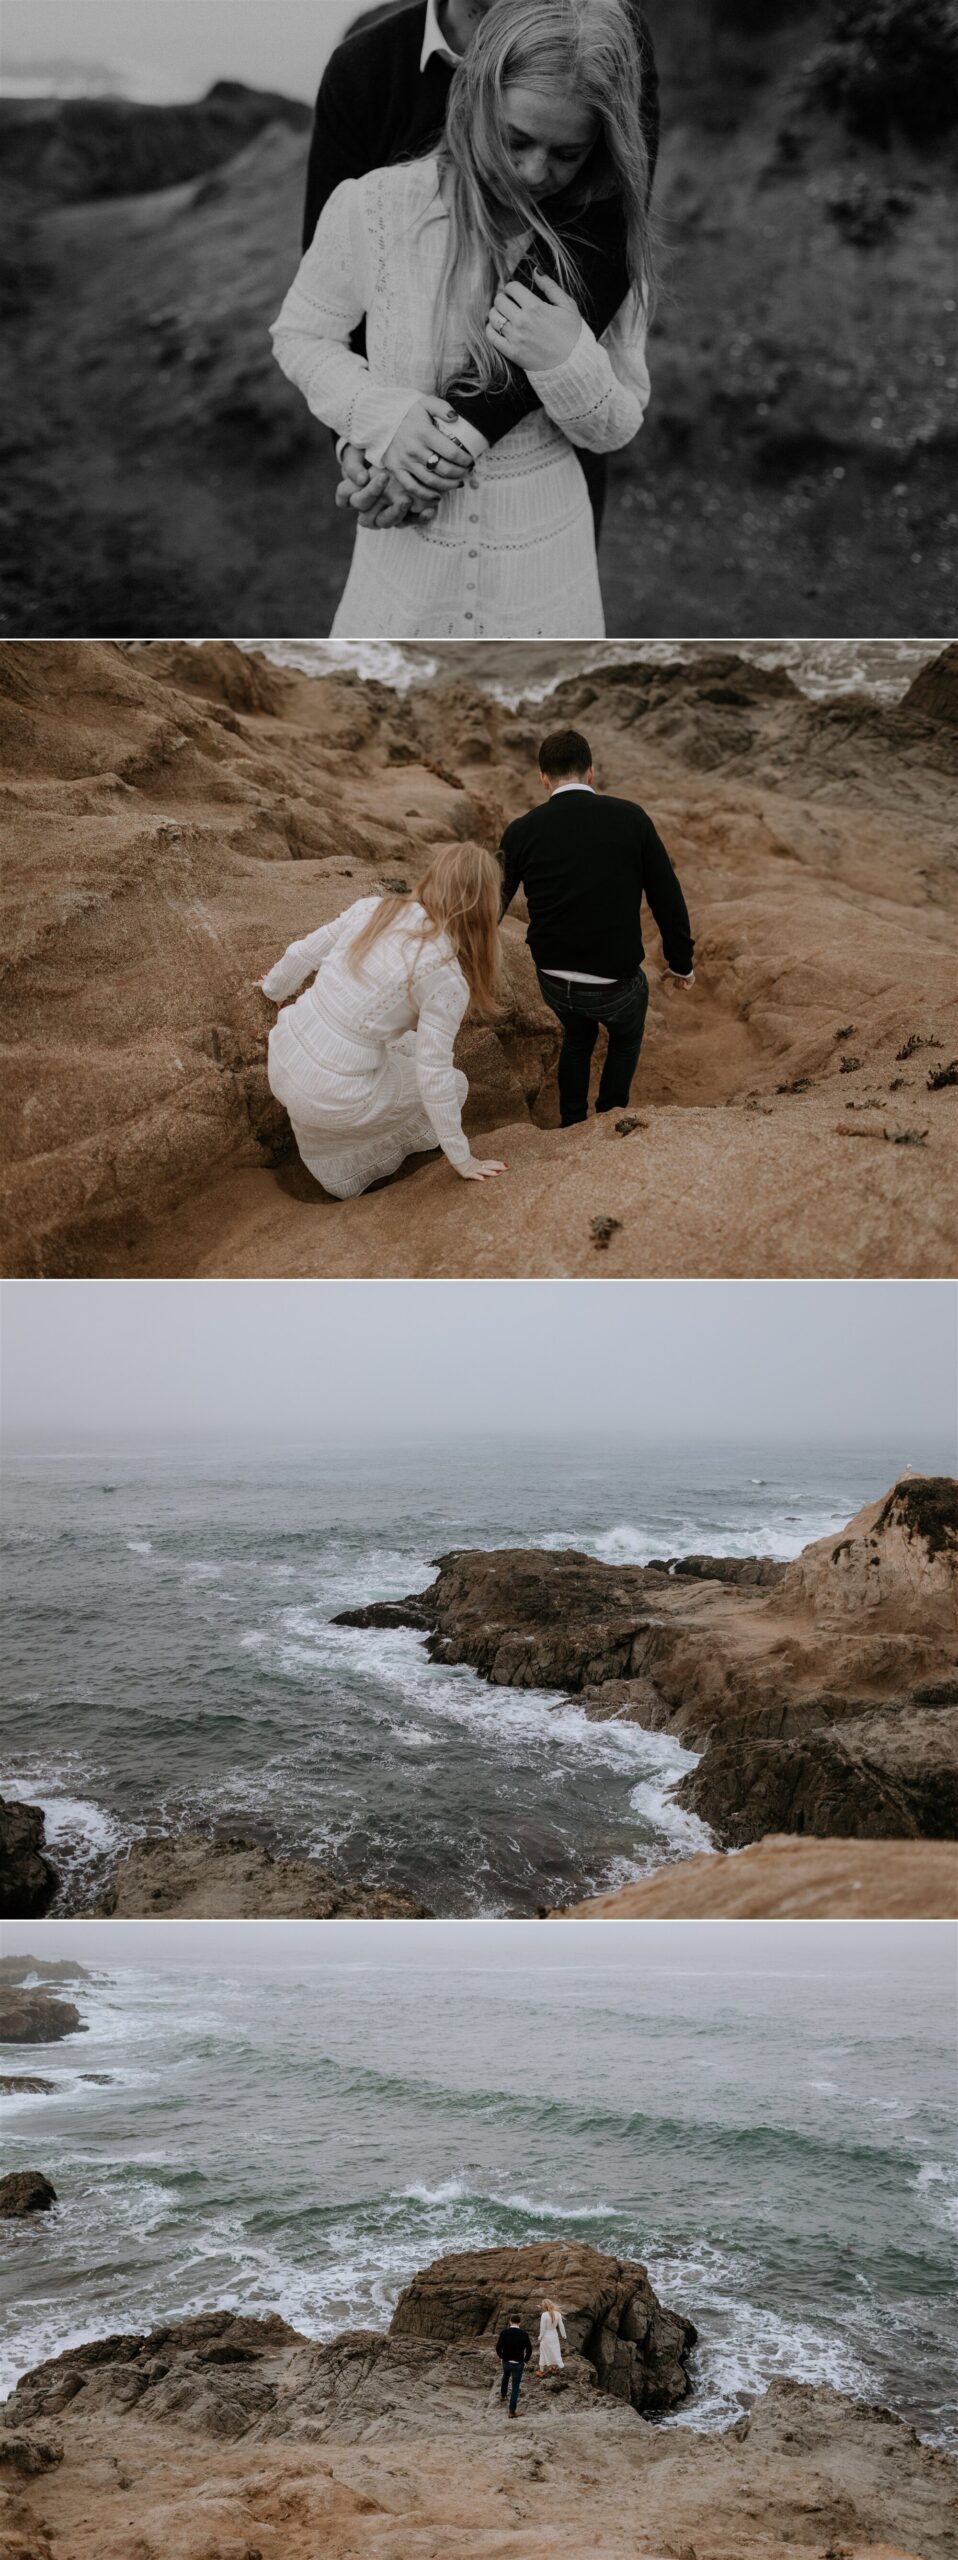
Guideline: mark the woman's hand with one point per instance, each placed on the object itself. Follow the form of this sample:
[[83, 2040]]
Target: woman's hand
[[424, 456], [480, 1169], [534, 330]]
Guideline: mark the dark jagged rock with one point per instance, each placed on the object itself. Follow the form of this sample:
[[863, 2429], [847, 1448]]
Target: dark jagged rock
[[387, 1613], [23, 2084], [876, 1777], [926, 1507], [25, 2191], [934, 694], [636, 2349], [28, 1882], [751, 1573]]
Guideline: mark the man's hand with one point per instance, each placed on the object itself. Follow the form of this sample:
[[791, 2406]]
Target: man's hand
[[674, 984], [534, 330], [424, 455]]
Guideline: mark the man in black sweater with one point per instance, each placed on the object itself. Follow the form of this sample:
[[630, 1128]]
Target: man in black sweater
[[584, 863], [514, 2350], [383, 99]]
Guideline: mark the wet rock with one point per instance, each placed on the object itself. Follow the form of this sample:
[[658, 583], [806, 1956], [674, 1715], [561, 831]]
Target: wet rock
[[24, 2085], [25, 2191], [33, 2017], [28, 1882], [876, 1777], [192, 1876], [637, 2349]]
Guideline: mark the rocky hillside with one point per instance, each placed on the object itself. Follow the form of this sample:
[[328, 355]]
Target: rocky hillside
[[175, 817], [794, 474], [232, 2434]]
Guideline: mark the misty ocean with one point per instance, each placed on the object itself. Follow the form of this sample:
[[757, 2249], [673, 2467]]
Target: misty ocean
[[767, 2126], [169, 1660]]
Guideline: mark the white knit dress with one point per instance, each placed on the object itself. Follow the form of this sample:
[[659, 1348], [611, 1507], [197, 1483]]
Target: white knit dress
[[512, 554], [364, 1063], [550, 2352]]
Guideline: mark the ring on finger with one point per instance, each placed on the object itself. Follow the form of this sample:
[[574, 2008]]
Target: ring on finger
[[432, 461]]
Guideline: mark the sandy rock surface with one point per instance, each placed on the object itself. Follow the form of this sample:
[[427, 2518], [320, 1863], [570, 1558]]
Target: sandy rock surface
[[795, 1879], [176, 817], [194, 1877], [232, 2436]]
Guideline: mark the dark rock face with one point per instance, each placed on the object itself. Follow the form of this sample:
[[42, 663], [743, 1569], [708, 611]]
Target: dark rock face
[[875, 1777], [387, 1613], [538, 1620], [31, 2017], [934, 694], [23, 2084], [743, 1573], [637, 2350], [925, 1507], [27, 1880], [25, 2191]]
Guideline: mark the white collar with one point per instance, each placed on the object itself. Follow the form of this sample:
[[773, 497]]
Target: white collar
[[571, 786], [434, 41]]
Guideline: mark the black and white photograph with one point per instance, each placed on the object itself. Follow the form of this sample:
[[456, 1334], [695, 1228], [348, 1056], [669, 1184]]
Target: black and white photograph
[[479, 318]]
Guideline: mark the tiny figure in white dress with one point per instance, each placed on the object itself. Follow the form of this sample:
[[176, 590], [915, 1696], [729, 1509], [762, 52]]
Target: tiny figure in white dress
[[551, 2330], [364, 1060]]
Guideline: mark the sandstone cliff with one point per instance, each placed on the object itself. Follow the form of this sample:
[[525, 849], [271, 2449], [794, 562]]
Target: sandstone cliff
[[175, 817]]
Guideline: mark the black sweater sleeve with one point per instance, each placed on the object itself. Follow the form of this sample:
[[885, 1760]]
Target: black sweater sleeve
[[667, 903], [344, 139], [510, 856]]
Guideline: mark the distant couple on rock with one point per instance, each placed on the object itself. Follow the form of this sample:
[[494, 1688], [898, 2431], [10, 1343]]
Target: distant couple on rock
[[470, 316], [514, 2350], [363, 1060]]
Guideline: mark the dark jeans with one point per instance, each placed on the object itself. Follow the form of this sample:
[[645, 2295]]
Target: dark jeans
[[622, 1007], [511, 2384]]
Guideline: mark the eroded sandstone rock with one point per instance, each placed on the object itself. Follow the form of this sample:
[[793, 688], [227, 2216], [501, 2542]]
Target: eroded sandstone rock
[[189, 1875], [33, 2017]]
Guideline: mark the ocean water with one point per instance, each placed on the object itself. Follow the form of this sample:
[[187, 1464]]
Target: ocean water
[[767, 2125], [169, 1661], [519, 670]]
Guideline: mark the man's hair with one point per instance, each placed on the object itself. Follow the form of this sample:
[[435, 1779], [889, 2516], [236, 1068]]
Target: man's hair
[[564, 751], [513, 2319]]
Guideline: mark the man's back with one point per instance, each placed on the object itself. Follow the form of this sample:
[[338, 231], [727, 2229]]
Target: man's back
[[585, 861]]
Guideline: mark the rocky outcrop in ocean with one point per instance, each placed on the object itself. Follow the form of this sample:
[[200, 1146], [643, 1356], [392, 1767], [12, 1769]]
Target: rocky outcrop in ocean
[[35, 2017], [25, 2191], [188, 1875], [822, 1695]]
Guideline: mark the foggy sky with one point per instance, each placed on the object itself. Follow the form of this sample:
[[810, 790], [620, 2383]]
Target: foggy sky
[[733, 1951], [179, 47], [872, 1362]]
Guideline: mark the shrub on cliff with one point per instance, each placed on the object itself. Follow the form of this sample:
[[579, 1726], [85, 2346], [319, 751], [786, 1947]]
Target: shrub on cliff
[[892, 65]]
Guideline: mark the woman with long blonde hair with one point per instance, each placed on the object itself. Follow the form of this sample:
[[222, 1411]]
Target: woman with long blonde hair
[[551, 2330], [363, 1061], [463, 268]]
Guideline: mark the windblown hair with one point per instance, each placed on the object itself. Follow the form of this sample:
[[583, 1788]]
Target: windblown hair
[[582, 49], [461, 894]]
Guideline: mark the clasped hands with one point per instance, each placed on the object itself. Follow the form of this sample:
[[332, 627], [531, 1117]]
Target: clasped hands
[[426, 458]]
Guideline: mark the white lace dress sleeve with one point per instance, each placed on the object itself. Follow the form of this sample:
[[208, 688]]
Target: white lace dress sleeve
[[600, 393], [326, 302], [298, 963], [442, 1088]]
